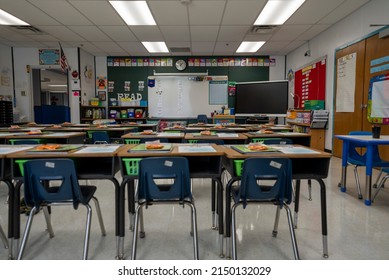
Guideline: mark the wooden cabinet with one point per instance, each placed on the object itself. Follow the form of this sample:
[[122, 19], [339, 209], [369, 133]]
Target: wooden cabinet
[[90, 113], [127, 113]]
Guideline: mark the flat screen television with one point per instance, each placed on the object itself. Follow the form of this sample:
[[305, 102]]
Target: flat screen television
[[268, 98]]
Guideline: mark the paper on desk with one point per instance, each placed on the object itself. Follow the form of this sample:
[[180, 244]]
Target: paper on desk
[[291, 133], [196, 149], [226, 135], [295, 150], [165, 134], [7, 150], [98, 149]]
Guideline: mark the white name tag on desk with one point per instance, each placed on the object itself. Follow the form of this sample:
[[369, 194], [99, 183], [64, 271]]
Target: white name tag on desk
[[196, 149], [227, 135]]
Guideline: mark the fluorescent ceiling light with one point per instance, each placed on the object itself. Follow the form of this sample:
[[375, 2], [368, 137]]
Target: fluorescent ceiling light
[[250, 47], [134, 12], [8, 19], [156, 47], [276, 12]]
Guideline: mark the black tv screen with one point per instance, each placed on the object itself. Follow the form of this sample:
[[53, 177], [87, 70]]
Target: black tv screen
[[261, 98]]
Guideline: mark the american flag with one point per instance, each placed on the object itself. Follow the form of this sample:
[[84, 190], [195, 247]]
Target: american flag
[[63, 61]]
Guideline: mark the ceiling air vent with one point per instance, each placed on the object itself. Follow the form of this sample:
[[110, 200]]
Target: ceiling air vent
[[27, 30], [179, 49], [264, 29]]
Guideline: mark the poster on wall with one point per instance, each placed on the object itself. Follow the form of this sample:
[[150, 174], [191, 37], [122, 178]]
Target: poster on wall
[[48, 57], [310, 85], [345, 87], [378, 100]]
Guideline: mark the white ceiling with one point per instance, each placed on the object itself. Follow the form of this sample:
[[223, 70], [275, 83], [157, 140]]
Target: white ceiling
[[207, 27]]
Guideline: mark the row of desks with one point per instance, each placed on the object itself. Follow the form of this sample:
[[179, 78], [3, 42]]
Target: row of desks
[[205, 161]]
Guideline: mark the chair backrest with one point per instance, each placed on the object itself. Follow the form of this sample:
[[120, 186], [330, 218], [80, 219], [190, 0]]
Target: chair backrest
[[354, 155], [164, 178], [24, 141], [37, 175], [266, 179], [100, 137], [202, 118]]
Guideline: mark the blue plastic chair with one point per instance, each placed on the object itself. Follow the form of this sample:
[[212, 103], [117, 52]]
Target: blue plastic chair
[[100, 137], [39, 174], [164, 180], [265, 180], [354, 157], [381, 183], [202, 118]]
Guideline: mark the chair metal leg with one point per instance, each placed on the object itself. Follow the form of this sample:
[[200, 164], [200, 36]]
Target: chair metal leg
[[87, 231], [142, 233], [380, 185], [378, 178], [100, 216], [357, 181], [292, 233], [276, 222], [48, 221], [3, 237], [135, 233], [309, 190], [233, 232], [26, 232], [194, 230]]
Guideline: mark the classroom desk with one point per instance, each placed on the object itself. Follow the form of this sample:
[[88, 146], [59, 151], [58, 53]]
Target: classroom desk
[[93, 162], [174, 137], [297, 137], [228, 138], [307, 163], [52, 137], [5, 176], [204, 162], [369, 142]]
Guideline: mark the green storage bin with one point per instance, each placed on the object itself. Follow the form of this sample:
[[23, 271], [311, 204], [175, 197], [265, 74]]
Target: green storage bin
[[238, 165], [21, 162], [132, 165], [132, 141]]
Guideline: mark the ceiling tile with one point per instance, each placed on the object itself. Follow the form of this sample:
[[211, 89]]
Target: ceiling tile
[[232, 33], [119, 33], [204, 33], [238, 13], [289, 32], [169, 12], [175, 33], [206, 12], [204, 47], [98, 12], [62, 33], [91, 33], [147, 33]]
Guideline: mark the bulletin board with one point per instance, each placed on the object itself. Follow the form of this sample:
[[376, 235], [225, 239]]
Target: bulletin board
[[378, 100], [310, 83], [183, 96]]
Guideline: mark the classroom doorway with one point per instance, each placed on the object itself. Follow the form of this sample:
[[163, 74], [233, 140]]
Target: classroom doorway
[[50, 96]]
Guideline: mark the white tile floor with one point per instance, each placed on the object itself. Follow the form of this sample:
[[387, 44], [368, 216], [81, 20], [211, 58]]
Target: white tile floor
[[355, 231]]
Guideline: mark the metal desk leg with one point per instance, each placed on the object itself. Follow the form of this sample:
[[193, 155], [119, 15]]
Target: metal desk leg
[[369, 173], [119, 218], [10, 218], [345, 148], [323, 198], [220, 214], [296, 202]]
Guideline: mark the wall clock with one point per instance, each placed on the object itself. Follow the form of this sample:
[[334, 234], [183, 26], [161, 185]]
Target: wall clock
[[180, 64]]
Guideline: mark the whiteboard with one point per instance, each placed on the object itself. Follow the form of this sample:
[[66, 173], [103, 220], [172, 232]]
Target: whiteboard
[[180, 97]]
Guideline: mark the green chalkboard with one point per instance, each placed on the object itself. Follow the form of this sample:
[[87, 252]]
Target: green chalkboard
[[128, 76]]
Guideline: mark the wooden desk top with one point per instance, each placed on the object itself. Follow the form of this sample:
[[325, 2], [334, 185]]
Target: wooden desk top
[[288, 151], [168, 135], [221, 136], [175, 151]]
